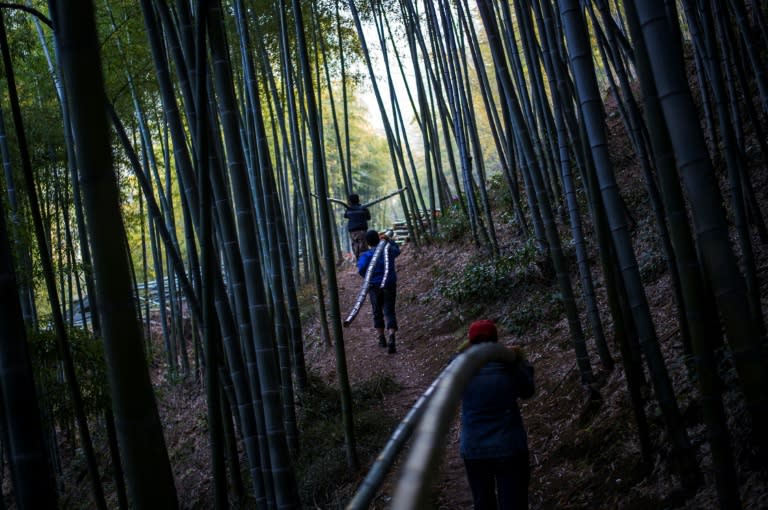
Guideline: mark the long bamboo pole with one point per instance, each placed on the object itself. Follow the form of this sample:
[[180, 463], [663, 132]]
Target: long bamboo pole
[[415, 485], [366, 281], [386, 458]]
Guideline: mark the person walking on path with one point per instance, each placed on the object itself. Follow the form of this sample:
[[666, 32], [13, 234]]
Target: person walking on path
[[493, 442], [357, 223], [382, 287]]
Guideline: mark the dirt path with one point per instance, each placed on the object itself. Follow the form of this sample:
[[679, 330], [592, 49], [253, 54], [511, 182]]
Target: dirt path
[[424, 346]]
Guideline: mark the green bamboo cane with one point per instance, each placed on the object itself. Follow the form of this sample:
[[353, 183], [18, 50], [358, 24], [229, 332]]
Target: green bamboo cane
[[148, 469], [34, 483], [62, 338]]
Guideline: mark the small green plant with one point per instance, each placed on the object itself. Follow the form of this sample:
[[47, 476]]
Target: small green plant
[[490, 279], [485, 280], [453, 224], [87, 354], [498, 192], [537, 308], [321, 465], [525, 255], [652, 266]]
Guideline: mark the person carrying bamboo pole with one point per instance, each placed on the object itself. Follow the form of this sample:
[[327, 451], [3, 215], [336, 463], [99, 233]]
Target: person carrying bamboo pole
[[493, 442], [382, 286], [357, 216], [357, 223]]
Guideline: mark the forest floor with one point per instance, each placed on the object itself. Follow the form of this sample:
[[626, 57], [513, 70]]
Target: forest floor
[[583, 455]]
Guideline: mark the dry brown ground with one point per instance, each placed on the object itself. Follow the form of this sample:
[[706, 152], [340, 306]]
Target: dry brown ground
[[583, 456], [425, 343]]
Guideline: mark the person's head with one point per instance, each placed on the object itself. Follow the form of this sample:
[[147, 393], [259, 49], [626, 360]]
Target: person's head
[[372, 238], [482, 331], [354, 199]]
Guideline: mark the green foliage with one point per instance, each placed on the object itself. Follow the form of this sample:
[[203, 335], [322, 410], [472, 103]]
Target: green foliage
[[453, 224], [321, 466], [90, 369], [491, 279], [501, 200], [498, 191], [485, 280], [540, 306], [649, 249], [652, 265]]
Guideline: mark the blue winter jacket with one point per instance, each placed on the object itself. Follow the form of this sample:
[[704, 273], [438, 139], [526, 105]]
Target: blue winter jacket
[[491, 425], [358, 217], [378, 270]]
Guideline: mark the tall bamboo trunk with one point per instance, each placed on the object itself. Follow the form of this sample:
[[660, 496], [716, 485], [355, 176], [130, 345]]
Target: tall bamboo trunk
[[711, 228], [704, 327], [325, 226], [148, 471], [34, 483], [62, 338], [591, 107]]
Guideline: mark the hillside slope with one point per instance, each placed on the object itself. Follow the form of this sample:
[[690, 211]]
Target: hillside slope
[[584, 455]]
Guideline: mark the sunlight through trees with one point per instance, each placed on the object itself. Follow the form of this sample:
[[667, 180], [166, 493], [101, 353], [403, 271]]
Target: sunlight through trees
[[168, 167]]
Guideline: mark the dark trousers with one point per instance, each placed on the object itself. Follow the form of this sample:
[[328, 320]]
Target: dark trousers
[[383, 304], [358, 242], [505, 477]]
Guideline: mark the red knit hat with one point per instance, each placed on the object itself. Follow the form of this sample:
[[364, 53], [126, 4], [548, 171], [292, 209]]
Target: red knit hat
[[482, 331]]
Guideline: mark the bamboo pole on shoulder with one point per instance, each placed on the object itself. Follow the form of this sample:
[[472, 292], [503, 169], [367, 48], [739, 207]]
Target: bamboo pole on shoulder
[[386, 458], [360, 299], [414, 487]]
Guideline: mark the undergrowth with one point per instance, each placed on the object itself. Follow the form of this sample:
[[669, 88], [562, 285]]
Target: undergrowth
[[541, 305], [491, 279], [453, 224], [322, 463], [90, 370]]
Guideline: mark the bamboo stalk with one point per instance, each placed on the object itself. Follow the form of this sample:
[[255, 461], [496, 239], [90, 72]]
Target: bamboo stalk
[[414, 487]]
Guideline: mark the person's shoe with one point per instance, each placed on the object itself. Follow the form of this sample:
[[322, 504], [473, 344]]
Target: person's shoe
[[382, 341], [391, 349]]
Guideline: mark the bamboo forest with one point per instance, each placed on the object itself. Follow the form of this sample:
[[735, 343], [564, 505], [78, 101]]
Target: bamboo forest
[[210, 209]]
